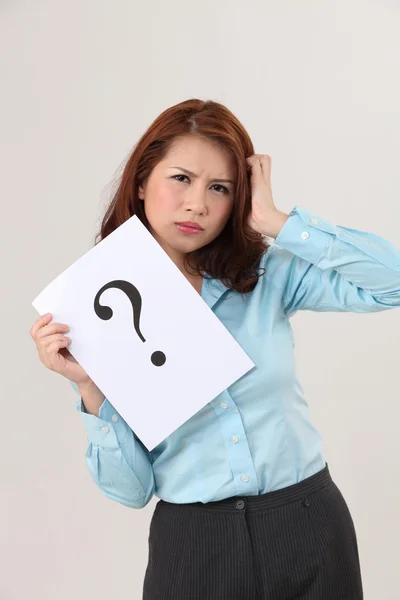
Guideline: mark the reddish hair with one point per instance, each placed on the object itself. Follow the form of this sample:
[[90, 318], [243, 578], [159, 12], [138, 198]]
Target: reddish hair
[[233, 257]]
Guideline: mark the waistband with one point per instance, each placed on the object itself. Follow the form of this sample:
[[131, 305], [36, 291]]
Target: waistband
[[297, 491]]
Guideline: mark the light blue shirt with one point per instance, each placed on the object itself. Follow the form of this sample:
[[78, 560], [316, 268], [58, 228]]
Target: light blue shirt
[[257, 435]]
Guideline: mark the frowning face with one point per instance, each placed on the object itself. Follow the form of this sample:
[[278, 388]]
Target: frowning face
[[195, 182]]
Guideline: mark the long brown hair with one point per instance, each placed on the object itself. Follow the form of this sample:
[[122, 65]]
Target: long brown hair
[[233, 257]]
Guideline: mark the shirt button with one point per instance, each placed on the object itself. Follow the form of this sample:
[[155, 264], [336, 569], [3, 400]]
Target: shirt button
[[223, 405], [115, 418], [314, 221], [305, 235], [105, 429], [235, 439], [245, 478]]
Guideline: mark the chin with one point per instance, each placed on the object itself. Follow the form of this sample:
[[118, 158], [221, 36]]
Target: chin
[[190, 246]]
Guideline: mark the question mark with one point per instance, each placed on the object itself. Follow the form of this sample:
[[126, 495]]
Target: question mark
[[158, 358]]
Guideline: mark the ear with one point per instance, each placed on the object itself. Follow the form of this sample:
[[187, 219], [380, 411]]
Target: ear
[[141, 192]]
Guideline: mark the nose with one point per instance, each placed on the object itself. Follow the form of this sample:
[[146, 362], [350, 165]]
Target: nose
[[196, 205]]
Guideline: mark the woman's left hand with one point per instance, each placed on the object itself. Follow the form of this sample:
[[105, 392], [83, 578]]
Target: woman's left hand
[[264, 217]]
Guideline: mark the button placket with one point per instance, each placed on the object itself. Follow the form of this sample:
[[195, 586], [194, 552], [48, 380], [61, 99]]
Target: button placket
[[238, 452]]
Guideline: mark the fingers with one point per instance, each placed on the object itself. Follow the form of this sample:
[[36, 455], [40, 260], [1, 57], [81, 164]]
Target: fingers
[[265, 162], [43, 328], [52, 350], [49, 348], [261, 156], [51, 328], [40, 322], [50, 338], [261, 163], [47, 340]]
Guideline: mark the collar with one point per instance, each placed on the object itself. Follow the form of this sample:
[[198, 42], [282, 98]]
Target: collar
[[212, 290]]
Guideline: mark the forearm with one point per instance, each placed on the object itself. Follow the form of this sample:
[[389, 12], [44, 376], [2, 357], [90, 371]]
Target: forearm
[[118, 463], [92, 398], [275, 224]]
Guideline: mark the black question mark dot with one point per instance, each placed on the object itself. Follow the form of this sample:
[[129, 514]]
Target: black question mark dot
[[158, 358]]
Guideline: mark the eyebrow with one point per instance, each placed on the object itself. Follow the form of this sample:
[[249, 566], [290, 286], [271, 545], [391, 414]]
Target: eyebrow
[[194, 175]]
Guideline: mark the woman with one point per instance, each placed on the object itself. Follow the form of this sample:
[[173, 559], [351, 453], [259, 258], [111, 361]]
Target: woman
[[247, 507]]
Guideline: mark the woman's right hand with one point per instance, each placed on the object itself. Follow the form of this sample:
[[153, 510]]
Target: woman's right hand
[[52, 343]]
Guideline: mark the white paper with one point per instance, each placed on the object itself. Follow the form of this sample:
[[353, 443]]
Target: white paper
[[201, 357]]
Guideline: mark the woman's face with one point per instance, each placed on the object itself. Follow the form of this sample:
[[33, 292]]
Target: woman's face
[[171, 195]]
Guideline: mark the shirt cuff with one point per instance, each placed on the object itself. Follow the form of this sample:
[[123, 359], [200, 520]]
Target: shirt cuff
[[306, 234], [101, 431]]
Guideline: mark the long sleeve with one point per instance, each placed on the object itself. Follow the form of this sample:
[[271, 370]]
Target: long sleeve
[[329, 267], [118, 462]]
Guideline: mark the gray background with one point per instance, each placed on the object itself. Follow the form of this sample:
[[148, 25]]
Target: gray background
[[317, 86]]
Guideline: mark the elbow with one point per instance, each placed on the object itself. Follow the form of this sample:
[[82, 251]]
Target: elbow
[[119, 482], [129, 493], [142, 496], [130, 502], [386, 301]]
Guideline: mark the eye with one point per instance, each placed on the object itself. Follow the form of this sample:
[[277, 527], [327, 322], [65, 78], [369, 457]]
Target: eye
[[173, 176], [224, 189]]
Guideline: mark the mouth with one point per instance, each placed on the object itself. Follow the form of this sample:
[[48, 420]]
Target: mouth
[[189, 227]]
